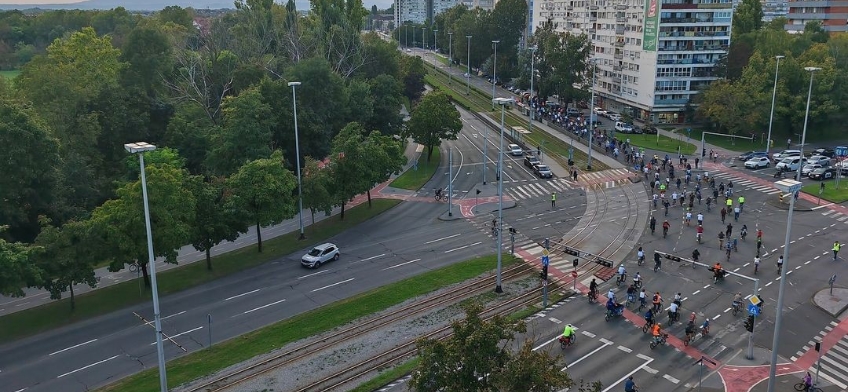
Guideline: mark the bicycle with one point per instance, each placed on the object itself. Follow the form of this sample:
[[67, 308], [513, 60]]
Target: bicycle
[[441, 197], [737, 307], [688, 339], [801, 387], [494, 232], [133, 267], [622, 278]]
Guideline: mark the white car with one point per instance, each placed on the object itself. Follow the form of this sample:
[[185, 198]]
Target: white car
[[790, 163], [600, 111], [623, 127], [808, 168], [614, 116], [819, 160], [515, 150], [785, 154], [320, 255], [757, 163]]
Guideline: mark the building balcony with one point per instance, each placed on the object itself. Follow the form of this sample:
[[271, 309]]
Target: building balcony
[[692, 34], [593, 7], [620, 19], [620, 7], [670, 101], [616, 68], [569, 8], [619, 44], [618, 56], [593, 18], [619, 30]]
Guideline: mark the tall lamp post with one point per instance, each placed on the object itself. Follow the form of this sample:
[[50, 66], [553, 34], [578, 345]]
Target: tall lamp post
[[591, 115], [773, 96], [140, 148], [468, 63], [503, 102], [293, 85], [450, 56], [532, 76], [423, 39], [792, 186], [435, 47], [494, 71]]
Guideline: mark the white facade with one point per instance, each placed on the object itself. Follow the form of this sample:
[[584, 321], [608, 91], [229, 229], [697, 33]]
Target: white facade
[[414, 11], [652, 57]]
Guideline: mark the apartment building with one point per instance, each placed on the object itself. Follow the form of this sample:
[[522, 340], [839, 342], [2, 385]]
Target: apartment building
[[420, 11], [652, 56], [833, 15]]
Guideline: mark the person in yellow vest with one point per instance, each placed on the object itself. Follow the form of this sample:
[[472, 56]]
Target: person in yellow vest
[[553, 200], [836, 247], [729, 204], [741, 201]]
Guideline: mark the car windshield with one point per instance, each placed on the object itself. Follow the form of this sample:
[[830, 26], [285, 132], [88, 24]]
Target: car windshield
[[315, 252], [543, 168]]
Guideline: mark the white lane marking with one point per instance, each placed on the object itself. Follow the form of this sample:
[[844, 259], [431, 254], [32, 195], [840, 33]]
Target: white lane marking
[[604, 341], [696, 292], [401, 264], [312, 274], [262, 307], [625, 349], [642, 356], [716, 317], [21, 390], [164, 318], [88, 366], [331, 285], [727, 310], [71, 348], [706, 286], [650, 370], [555, 320], [182, 333], [373, 257], [546, 343], [463, 247], [242, 294], [587, 333], [670, 378], [441, 239], [768, 284]]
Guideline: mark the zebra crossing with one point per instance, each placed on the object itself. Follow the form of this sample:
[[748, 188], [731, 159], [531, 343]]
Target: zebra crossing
[[834, 363], [740, 183], [840, 217], [541, 189]]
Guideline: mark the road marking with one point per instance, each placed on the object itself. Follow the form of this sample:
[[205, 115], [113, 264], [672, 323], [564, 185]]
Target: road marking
[[650, 370], [716, 317], [642, 356], [625, 349], [182, 333], [670, 378], [706, 286], [87, 366], [727, 310], [72, 347], [696, 292], [330, 285], [546, 343], [555, 320], [263, 307], [242, 294], [165, 318], [313, 274], [822, 206], [768, 284], [21, 390], [401, 264], [373, 257], [604, 341], [463, 247], [441, 239], [587, 333]]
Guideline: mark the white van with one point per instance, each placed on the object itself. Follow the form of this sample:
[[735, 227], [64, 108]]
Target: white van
[[623, 127]]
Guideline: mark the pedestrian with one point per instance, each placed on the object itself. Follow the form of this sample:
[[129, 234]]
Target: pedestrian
[[836, 247], [736, 211], [697, 161], [723, 214], [788, 143], [574, 174], [553, 200]]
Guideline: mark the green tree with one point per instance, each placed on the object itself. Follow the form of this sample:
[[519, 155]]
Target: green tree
[[263, 190], [412, 73], [434, 119], [380, 57], [474, 358], [176, 15], [245, 134], [383, 155], [17, 269], [189, 131], [317, 188], [748, 17], [386, 116], [29, 163], [510, 17], [214, 222], [119, 227], [561, 62], [148, 55], [66, 260]]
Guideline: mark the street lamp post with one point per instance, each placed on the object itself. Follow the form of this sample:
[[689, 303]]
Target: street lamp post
[[423, 39], [406, 34], [468, 63], [503, 102], [591, 116], [435, 48], [532, 76], [413, 36], [773, 96], [293, 85], [792, 186], [450, 56], [494, 71], [140, 148]]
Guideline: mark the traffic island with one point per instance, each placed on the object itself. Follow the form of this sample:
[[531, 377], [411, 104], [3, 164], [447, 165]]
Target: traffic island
[[833, 301], [783, 202]]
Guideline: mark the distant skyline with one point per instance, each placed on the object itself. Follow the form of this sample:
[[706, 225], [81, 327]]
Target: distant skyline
[[381, 4]]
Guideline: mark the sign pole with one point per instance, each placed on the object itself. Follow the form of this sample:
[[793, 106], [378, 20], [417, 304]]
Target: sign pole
[[831, 281], [545, 261]]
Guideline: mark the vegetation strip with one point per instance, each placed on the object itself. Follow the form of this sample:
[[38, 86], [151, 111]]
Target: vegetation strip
[[413, 179], [108, 299], [266, 339]]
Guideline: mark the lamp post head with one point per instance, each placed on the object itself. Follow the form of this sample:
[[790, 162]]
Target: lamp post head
[[780, 57], [496, 42], [291, 84], [812, 69], [135, 148], [468, 36], [503, 101]]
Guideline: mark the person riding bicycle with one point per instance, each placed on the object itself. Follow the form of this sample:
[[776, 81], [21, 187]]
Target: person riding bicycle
[[611, 295], [613, 306], [737, 300], [657, 261], [629, 385], [637, 280], [699, 233], [622, 273], [649, 317], [728, 247], [656, 331], [678, 299], [631, 293], [780, 263], [672, 311], [696, 254], [640, 255], [657, 301], [568, 333], [690, 330], [717, 271], [744, 231], [653, 224], [665, 227], [808, 382]]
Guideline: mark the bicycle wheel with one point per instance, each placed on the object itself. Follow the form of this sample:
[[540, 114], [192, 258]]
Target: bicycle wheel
[[133, 267], [645, 327], [799, 386], [686, 341]]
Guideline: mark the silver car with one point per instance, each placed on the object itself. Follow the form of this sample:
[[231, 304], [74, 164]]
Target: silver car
[[320, 255]]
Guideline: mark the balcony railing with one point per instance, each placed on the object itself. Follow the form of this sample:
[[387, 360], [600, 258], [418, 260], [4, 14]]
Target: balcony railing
[[619, 30], [569, 7], [618, 56], [619, 44], [620, 7], [593, 7], [693, 34], [620, 19]]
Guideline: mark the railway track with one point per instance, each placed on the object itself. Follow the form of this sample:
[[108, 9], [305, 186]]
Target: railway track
[[455, 294]]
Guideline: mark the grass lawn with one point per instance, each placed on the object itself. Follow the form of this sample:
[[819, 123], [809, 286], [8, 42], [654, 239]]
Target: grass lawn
[[11, 75], [108, 299], [830, 193], [413, 179], [732, 144], [665, 143], [222, 355]]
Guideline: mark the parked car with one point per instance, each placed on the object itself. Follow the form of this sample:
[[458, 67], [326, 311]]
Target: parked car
[[785, 153], [650, 130], [543, 171], [515, 150], [819, 159], [823, 173], [828, 152], [531, 161], [623, 127], [637, 130], [808, 168], [790, 163], [752, 154], [573, 112], [600, 112], [757, 163], [320, 255], [614, 116]]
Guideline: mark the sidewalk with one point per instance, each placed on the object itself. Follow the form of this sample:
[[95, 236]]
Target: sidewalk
[[188, 255]]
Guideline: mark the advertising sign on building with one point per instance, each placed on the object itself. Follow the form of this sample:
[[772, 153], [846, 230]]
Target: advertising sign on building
[[652, 25]]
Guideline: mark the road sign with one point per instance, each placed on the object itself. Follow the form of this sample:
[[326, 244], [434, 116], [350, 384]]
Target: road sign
[[545, 253], [755, 300], [545, 260], [573, 274], [753, 310]]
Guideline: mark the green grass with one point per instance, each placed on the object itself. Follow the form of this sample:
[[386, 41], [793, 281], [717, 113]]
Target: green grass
[[108, 299], [387, 376], [414, 179], [325, 318], [11, 75], [665, 143], [830, 193], [732, 144]]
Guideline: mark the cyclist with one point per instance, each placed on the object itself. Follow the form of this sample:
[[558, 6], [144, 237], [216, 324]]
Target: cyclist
[[727, 248], [649, 317], [630, 386], [723, 213], [631, 294], [666, 226], [657, 261], [678, 299], [611, 295], [735, 244], [756, 262], [438, 193], [737, 301], [695, 255], [700, 218], [643, 299], [744, 232], [656, 331], [779, 264], [709, 202], [593, 288], [622, 274], [690, 331], [568, 333], [688, 217], [808, 382], [653, 224], [657, 300], [637, 280], [717, 270], [640, 255], [699, 233]]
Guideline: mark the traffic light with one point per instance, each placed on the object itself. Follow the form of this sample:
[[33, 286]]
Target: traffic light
[[749, 324], [575, 262], [544, 274], [570, 162], [513, 231]]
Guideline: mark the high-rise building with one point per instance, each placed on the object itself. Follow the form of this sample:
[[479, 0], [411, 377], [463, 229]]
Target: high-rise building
[[653, 56], [774, 9], [833, 15], [420, 11]]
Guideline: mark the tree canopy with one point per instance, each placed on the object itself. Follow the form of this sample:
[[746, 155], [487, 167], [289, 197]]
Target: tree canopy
[[433, 120]]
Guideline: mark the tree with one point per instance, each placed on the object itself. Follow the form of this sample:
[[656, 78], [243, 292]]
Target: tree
[[748, 17], [176, 15], [349, 166], [383, 157], [263, 190], [148, 55], [386, 116], [433, 119], [474, 358], [29, 161], [66, 260], [412, 76], [317, 188], [16, 267], [213, 221], [561, 62], [510, 17], [118, 225], [380, 57], [245, 134]]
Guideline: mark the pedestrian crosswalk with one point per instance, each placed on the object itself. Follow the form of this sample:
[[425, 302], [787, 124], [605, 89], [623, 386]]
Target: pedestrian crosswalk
[[835, 215], [744, 184], [541, 189], [834, 363]]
